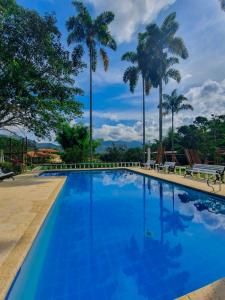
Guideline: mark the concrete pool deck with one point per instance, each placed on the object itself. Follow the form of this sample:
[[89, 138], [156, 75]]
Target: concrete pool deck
[[188, 181], [24, 205]]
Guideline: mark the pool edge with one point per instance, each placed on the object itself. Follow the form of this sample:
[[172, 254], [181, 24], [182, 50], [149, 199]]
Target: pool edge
[[11, 266], [200, 186]]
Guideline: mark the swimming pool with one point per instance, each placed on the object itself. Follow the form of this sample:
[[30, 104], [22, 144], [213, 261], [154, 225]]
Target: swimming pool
[[121, 235]]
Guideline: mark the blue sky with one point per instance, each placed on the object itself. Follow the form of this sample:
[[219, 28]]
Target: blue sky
[[117, 112]]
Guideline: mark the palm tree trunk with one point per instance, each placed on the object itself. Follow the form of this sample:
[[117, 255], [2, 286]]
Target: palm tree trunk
[[173, 200], [144, 209], [91, 105], [172, 131], [160, 113], [143, 91], [161, 212]]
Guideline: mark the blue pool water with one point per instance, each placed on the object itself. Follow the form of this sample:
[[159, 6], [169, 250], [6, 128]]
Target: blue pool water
[[120, 235]]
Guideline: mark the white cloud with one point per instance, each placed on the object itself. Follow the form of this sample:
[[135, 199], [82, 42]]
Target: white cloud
[[123, 180], [207, 99], [129, 14], [124, 132], [119, 132]]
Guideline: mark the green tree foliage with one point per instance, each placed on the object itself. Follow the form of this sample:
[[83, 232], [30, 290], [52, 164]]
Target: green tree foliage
[[140, 61], [75, 142], [204, 135], [162, 42], [120, 153], [36, 73], [7, 6], [174, 104], [16, 144], [94, 33]]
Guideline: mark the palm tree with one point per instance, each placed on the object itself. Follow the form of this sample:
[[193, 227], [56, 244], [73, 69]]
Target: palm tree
[[174, 104], [163, 40], [93, 33], [140, 60]]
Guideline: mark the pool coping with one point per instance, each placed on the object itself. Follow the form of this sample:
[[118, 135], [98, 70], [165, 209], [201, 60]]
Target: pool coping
[[13, 262], [199, 185]]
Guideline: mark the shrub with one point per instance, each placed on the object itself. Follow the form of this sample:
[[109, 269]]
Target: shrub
[[6, 167], [11, 167]]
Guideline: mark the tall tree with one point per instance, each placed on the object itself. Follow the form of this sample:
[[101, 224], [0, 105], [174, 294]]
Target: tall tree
[[163, 40], [140, 61], [36, 74], [75, 142], [174, 104], [93, 33]]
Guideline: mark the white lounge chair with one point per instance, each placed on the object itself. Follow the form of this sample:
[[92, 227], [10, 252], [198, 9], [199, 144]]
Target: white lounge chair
[[6, 175], [149, 164], [168, 167]]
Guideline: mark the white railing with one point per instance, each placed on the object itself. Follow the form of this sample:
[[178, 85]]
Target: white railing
[[94, 165]]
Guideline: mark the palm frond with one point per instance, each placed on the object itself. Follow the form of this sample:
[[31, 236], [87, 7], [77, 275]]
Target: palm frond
[[166, 97], [174, 74], [77, 55], [105, 38], [130, 56], [81, 9], [185, 107], [148, 86], [131, 75], [170, 26], [76, 28], [174, 94], [104, 18], [82, 21], [166, 108], [105, 58], [182, 98], [177, 47], [109, 42], [172, 61], [152, 31]]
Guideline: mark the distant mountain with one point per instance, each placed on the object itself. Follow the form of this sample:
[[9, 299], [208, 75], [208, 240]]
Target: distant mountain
[[106, 144], [48, 146]]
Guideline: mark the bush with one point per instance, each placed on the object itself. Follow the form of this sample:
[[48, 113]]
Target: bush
[[10, 167], [120, 153], [6, 167]]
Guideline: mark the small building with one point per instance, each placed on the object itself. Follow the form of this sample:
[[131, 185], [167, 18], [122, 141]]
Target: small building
[[43, 156]]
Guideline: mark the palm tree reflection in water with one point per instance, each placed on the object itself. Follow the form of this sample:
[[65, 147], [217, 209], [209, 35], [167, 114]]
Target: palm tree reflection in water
[[175, 220], [154, 267]]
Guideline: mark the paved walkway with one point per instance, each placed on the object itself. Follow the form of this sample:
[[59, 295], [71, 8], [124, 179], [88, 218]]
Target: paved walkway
[[189, 182], [24, 204], [213, 291]]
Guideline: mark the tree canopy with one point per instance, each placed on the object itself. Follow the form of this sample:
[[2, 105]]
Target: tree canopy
[[75, 142], [36, 73], [205, 135]]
